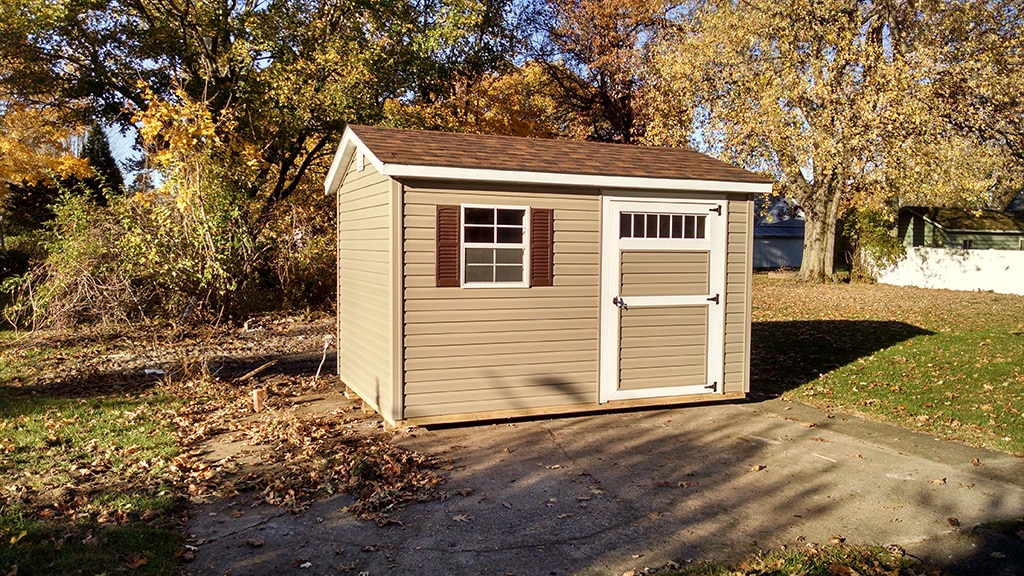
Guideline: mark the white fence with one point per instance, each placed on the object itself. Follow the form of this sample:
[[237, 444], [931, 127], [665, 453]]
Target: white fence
[[990, 270]]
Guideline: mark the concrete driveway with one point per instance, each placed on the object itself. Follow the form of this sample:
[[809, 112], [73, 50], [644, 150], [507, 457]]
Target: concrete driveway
[[603, 494]]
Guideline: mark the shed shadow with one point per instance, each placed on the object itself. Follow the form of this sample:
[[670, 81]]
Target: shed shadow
[[786, 355]]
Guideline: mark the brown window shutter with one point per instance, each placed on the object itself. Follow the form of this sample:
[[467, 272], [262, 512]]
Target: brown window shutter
[[447, 246], [542, 243]]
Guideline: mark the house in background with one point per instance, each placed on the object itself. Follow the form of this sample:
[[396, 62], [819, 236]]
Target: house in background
[[778, 234], [1016, 205], [961, 228]]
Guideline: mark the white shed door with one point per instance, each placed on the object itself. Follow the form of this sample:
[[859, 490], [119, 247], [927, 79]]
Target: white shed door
[[662, 298]]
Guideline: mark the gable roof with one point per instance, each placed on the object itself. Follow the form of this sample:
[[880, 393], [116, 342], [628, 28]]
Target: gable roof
[[478, 157], [782, 229], [963, 220], [1016, 204]]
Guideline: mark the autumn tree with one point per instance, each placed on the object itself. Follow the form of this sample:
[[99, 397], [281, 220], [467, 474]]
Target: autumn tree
[[291, 73], [519, 101], [36, 153], [238, 107], [835, 98], [593, 53]]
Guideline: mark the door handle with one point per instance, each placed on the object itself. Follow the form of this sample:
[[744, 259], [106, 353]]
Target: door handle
[[620, 303]]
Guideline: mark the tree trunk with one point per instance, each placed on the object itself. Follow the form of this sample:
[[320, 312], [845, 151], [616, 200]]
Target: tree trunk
[[818, 264]]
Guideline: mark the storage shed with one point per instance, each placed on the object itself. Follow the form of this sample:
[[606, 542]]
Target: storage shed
[[483, 277]]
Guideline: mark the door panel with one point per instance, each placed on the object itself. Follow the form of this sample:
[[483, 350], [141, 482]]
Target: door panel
[[662, 288]]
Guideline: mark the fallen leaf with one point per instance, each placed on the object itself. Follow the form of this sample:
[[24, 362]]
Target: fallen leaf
[[507, 504], [998, 555], [15, 539], [975, 462], [953, 521], [896, 550], [462, 518], [937, 481], [136, 560], [554, 467], [255, 542], [758, 467], [836, 540], [810, 425]]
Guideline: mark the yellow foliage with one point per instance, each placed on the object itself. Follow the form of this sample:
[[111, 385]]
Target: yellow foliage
[[184, 140], [35, 145], [517, 103]]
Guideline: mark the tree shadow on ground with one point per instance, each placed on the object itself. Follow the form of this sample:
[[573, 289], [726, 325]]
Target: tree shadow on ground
[[91, 383], [786, 355]]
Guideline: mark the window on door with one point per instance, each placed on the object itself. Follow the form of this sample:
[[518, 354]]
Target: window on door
[[659, 225]]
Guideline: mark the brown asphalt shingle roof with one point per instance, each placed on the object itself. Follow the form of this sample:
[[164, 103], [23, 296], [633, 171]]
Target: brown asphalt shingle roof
[[508, 153]]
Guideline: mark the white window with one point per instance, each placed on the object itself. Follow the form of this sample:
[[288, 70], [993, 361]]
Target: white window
[[494, 241]]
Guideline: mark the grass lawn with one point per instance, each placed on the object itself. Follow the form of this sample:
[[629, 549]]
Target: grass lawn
[[83, 473], [944, 362], [829, 560]]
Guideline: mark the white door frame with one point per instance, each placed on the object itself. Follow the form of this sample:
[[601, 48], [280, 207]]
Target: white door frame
[[611, 257]]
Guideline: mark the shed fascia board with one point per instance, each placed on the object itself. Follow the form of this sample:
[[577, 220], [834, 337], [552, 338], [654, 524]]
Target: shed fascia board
[[350, 143], [564, 179]]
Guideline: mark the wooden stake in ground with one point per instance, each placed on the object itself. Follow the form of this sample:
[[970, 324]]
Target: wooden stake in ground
[[258, 398]]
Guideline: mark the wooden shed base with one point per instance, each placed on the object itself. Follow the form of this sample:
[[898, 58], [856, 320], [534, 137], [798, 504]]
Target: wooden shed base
[[662, 402]]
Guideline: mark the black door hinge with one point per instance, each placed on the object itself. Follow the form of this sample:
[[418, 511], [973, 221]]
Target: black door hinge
[[714, 299], [716, 209], [713, 386]]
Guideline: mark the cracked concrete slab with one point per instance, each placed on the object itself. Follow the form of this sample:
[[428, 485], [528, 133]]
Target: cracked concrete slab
[[602, 494]]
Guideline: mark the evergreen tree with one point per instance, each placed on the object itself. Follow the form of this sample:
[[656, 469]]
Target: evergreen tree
[[107, 179]]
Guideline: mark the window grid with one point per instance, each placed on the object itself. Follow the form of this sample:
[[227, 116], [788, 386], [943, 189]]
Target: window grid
[[665, 226], [494, 245]]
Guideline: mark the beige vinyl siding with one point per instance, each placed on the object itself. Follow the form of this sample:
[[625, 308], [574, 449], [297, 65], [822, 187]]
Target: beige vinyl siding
[[487, 349], [365, 357], [663, 346], [664, 273], [737, 293]]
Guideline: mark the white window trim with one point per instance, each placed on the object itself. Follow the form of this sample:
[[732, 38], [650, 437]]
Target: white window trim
[[463, 245]]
